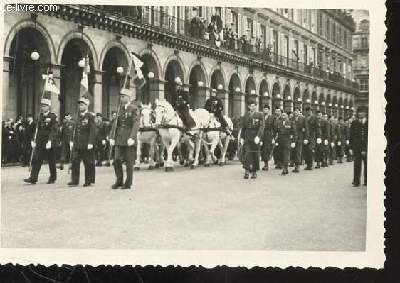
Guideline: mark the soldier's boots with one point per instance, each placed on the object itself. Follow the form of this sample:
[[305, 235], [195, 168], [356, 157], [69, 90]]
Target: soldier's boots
[[318, 165], [340, 160], [246, 175], [116, 186], [72, 184], [254, 175], [285, 170], [30, 181], [51, 180], [296, 169], [308, 167], [61, 167], [265, 168]]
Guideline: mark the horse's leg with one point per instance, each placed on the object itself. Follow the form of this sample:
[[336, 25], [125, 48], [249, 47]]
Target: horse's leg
[[197, 147], [224, 150], [138, 152], [151, 152], [175, 136], [214, 144]]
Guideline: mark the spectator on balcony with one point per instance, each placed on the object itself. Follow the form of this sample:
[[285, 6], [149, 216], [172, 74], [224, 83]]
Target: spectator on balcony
[[244, 43], [267, 53], [258, 45]]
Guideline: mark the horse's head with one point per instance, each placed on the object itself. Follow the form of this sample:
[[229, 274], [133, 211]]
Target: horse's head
[[146, 116]]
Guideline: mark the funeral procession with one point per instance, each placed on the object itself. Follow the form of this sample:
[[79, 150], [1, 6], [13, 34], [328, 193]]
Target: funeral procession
[[184, 99]]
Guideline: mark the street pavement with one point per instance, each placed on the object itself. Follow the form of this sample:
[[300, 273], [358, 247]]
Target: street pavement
[[206, 208]]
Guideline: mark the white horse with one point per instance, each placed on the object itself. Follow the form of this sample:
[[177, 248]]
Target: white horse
[[213, 137], [147, 134], [172, 131]]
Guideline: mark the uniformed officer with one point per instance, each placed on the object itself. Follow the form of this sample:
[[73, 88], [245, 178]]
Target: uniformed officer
[[348, 153], [124, 137], [268, 141], [30, 128], [341, 139], [300, 125], [286, 139], [214, 105], [359, 145], [67, 130], [277, 154], [44, 144], [182, 105], [82, 144], [252, 130], [333, 139], [312, 137]]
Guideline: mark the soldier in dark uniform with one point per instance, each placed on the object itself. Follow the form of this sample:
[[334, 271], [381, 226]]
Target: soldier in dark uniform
[[277, 154], [312, 137], [333, 139], [359, 145], [30, 128], [83, 140], [101, 136], [341, 139], [326, 137], [286, 140], [182, 105], [268, 141], [214, 105], [300, 125], [124, 137], [252, 130], [67, 129], [44, 144], [322, 143]]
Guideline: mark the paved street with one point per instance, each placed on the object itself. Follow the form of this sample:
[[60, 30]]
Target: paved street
[[206, 208]]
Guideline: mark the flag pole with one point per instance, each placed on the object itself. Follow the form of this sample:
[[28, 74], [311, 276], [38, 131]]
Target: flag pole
[[37, 120]]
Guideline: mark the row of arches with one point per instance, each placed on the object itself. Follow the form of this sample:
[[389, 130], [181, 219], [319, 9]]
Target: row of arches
[[106, 82]]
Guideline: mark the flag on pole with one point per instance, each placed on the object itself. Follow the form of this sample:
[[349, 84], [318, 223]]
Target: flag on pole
[[50, 84], [85, 77], [137, 65]]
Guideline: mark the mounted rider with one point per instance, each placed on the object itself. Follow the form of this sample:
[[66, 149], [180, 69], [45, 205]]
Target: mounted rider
[[182, 105], [214, 105]]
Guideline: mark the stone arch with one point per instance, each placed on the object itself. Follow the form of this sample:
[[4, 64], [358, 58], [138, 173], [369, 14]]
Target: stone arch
[[78, 35], [173, 69], [263, 88], [30, 24], [250, 85], [234, 97], [150, 53], [200, 64], [214, 70], [180, 63], [197, 90], [110, 45]]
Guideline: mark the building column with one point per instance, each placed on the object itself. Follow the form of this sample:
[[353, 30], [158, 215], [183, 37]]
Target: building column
[[97, 92], [240, 103], [6, 88], [55, 101]]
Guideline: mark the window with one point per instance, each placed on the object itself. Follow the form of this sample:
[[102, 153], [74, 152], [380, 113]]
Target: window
[[249, 28], [235, 22], [320, 23], [264, 36], [200, 11], [305, 47], [363, 84], [364, 42], [218, 11], [275, 43], [328, 30], [296, 50]]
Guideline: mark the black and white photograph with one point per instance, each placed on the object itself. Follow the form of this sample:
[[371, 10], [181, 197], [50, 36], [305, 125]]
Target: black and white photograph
[[191, 128]]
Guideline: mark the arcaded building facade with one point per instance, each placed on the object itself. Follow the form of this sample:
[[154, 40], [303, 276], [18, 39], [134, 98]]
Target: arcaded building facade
[[281, 57]]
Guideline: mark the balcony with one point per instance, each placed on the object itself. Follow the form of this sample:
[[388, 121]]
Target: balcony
[[199, 31]]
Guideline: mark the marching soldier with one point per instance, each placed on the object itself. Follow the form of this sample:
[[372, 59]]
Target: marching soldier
[[214, 105], [359, 145], [322, 143], [341, 139], [67, 130], [82, 145], [124, 138], [277, 154], [268, 141], [252, 130], [312, 136], [182, 105], [44, 144], [300, 124], [286, 140]]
